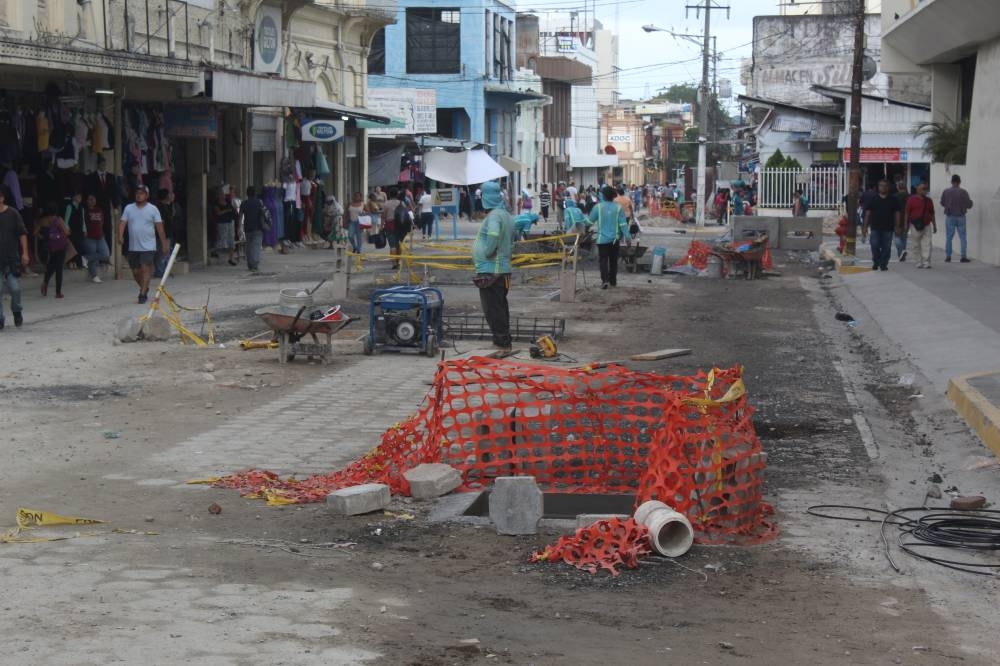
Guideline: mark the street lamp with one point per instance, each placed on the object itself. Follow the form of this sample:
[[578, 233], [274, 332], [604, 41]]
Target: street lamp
[[703, 101]]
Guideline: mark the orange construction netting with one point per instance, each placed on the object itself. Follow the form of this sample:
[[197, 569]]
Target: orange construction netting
[[686, 441]]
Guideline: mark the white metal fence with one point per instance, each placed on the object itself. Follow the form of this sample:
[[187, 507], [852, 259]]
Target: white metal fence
[[825, 186]]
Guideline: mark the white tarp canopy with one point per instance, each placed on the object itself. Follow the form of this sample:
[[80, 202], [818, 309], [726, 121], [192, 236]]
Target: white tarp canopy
[[468, 167]]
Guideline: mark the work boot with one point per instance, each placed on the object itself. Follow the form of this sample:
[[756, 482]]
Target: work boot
[[964, 260], [18, 319]]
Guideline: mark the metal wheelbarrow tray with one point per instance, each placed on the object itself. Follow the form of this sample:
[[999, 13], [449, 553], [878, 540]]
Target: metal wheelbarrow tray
[[289, 329]]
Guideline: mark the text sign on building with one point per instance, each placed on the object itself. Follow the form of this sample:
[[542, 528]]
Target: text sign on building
[[416, 108], [565, 44], [190, 121], [619, 137], [323, 131], [877, 155], [267, 39]]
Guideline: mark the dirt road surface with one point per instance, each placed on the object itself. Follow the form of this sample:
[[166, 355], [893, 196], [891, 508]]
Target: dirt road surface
[[114, 432]]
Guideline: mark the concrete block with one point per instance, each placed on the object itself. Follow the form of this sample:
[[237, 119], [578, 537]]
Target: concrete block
[[801, 233], [128, 330], [516, 505], [588, 519], [743, 225], [432, 480], [355, 500]]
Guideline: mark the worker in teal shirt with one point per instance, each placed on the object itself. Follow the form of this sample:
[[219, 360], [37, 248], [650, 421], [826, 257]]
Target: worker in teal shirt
[[572, 216], [492, 253], [522, 224], [612, 228]]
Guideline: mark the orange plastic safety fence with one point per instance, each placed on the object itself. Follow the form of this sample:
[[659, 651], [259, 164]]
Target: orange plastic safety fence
[[607, 544], [687, 441], [697, 256]]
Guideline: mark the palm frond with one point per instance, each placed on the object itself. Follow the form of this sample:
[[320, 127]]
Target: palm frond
[[945, 141]]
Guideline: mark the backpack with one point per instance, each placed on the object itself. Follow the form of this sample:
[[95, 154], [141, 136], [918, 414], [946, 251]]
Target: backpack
[[401, 223], [804, 204], [57, 240]]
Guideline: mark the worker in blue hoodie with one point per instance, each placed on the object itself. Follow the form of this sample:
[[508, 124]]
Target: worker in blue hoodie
[[572, 216], [612, 228], [492, 253]]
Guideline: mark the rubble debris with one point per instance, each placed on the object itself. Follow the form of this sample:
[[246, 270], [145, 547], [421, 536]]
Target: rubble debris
[[356, 500], [516, 505], [968, 502], [429, 480], [214, 509]]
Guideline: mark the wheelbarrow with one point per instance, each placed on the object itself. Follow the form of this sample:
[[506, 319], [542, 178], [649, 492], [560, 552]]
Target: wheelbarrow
[[630, 254], [289, 329]]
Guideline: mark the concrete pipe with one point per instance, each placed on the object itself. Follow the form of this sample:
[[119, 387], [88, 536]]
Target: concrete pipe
[[670, 532], [646, 508]]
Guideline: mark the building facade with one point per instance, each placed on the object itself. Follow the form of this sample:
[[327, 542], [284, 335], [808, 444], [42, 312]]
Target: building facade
[[964, 63], [168, 94]]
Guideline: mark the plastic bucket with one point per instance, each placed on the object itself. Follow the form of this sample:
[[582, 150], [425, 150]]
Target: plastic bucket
[[293, 299], [659, 255], [713, 269]]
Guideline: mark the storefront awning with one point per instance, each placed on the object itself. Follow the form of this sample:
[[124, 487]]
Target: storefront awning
[[511, 164], [902, 140], [585, 161], [254, 90], [326, 109], [514, 95], [394, 123]]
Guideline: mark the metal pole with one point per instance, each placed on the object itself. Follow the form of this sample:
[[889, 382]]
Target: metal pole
[[703, 117], [149, 37], [128, 42], [854, 183]]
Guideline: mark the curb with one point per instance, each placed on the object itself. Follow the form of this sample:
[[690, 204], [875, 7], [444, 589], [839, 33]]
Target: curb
[[981, 415], [828, 253]]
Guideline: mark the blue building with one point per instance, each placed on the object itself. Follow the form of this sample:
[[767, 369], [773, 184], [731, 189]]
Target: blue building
[[464, 50]]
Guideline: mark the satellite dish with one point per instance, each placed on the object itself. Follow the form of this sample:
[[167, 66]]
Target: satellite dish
[[869, 68]]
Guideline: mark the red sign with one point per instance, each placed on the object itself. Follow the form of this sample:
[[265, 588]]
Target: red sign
[[875, 155]]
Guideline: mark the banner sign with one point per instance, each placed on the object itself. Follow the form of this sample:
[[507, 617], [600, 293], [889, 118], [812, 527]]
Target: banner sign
[[267, 39], [190, 121]]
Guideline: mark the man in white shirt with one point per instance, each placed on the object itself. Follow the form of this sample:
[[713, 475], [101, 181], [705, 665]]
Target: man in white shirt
[[144, 226], [426, 203]]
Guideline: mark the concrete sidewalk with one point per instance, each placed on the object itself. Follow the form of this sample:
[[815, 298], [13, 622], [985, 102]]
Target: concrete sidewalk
[[947, 319]]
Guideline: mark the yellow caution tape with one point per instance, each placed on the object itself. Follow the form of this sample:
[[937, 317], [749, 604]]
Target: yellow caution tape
[[31, 518]]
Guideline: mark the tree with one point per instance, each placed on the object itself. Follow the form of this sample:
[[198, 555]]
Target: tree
[[946, 141]]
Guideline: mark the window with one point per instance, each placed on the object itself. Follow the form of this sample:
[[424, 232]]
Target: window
[[502, 58], [433, 41], [376, 55]]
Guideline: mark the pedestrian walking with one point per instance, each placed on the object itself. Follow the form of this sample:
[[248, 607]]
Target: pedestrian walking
[[225, 227], [144, 224], [882, 219], [574, 220], [544, 202], [919, 215], [426, 208], [900, 240], [54, 231], [354, 212], [73, 216], [253, 219], [956, 203], [492, 252], [800, 204], [612, 228], [13, 255], [95, 247]]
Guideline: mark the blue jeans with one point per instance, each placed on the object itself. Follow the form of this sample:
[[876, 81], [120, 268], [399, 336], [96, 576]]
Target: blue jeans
[[881, 242], [254, 241], [953, 223], [13, 284], [96, 251], [354, 236], [900, 242]]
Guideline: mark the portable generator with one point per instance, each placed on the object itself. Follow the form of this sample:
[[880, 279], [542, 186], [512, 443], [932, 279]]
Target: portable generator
[[405, 319]]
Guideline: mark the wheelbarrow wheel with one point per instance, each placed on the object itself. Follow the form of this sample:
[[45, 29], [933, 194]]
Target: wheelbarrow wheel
[[289, 357], [432, 346], [369, 346]]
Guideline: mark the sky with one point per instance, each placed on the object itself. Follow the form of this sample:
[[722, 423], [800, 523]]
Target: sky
[[642, 56]]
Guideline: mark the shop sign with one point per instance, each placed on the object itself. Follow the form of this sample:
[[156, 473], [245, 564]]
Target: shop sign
[[323, 130], [877, 155], [191, 121], [445, 197], [415, 107], [565, 44], [619, 138], [267, 39]]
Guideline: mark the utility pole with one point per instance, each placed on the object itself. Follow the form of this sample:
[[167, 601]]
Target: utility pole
[[704, 99], [857, 78]]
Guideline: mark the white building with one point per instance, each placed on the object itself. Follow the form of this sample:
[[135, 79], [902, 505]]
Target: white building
[[562, 35], [606, 74], [958, 43]]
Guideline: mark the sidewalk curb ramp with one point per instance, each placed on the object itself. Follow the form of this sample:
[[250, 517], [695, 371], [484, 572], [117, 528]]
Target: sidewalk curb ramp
[[980, 410]]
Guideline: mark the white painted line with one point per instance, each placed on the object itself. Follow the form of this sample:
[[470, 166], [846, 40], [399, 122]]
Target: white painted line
[[864, 430]]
